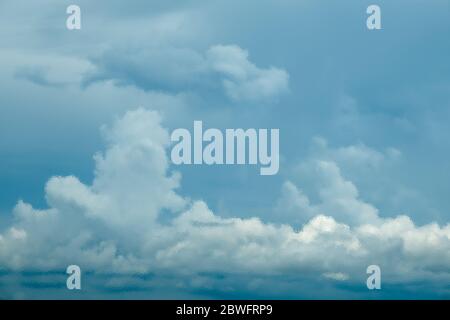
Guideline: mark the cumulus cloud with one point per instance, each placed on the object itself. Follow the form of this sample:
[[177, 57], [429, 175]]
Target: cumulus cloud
[[113, 225], [327, 176], [182, 69], [337, 197]]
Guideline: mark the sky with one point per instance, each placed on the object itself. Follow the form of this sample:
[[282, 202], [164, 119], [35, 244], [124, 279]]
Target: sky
[[86, 176]]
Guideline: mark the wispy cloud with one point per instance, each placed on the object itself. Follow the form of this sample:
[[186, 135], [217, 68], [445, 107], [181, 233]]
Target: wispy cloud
[[181, 69]]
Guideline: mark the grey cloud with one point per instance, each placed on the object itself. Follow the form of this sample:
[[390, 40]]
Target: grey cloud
[[181, 69], [37, 75]]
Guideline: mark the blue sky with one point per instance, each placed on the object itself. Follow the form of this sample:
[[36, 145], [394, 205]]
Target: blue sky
[[363, 118]]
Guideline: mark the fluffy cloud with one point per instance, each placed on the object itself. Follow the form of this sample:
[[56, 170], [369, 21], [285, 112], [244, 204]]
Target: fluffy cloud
[[113, 225], [181, 69], [329, 176], [338, 197], [129, 191]]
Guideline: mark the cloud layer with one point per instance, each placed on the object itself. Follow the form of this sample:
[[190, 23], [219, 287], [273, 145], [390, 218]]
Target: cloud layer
[[132, 220], [181, 69]]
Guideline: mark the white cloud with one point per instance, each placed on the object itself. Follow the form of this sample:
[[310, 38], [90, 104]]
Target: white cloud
[[337, 196], [340, 197], [328, 177], [242, 79], [112, 225], [293, 206]]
